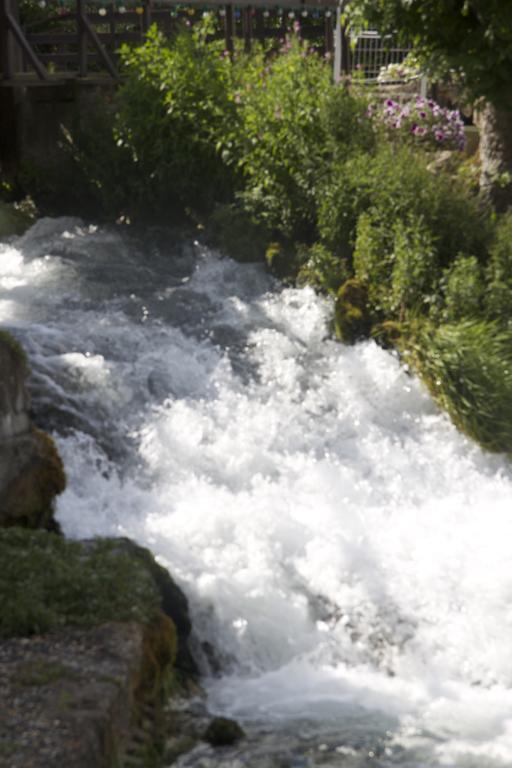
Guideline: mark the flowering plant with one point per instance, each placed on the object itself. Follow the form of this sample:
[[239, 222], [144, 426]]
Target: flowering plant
[[422, 120], [407, 70]]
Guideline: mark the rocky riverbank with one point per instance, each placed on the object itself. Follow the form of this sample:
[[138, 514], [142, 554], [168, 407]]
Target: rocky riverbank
[[93, 634]]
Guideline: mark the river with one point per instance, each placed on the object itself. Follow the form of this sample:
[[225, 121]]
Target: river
[[347, 554]]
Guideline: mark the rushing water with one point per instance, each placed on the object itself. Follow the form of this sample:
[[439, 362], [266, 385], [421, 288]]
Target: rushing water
[[346, 553]]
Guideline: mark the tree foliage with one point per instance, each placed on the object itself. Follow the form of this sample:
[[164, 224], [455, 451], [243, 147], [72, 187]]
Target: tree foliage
[[472, 37]]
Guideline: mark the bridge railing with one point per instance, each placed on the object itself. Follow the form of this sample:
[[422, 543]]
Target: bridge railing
[[79, 39]]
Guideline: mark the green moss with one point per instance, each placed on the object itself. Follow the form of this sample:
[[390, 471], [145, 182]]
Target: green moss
[[160, 648], [47, 583], [29, 499], [351, 317], [282, 260], [7, 341], [388, 333]]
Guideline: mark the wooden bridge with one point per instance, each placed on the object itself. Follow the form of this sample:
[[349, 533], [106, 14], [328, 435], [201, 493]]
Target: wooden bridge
[[79, 40]]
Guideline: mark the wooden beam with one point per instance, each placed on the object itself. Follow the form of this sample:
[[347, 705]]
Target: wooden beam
[[247, 28], [93, 36], [20, 38], [146, 18], [6, 43], [229, 24], [82, 38]]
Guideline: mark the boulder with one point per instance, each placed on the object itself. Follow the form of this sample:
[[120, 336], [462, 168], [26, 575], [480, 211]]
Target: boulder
[[31, 471], [87, 653]]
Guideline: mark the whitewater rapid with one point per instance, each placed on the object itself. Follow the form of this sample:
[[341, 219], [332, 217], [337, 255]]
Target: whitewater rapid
[[347, 554]]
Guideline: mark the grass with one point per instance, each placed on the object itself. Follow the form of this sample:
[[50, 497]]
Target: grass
[[467, 367], [47, 583]]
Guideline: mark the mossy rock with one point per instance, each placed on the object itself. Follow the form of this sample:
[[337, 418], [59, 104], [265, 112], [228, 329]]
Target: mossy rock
[[11, 345], [223, 732], [48, 583], [172, 600], [29, 497], [352, 318], [388, 333], [282, 260]]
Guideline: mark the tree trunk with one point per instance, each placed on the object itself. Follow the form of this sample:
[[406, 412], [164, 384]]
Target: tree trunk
[[496, 155]]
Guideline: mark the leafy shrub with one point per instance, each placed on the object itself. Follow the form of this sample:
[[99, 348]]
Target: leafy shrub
[[415, 265], [395, 184], [172, 109], [295, 123], [373, 259], [399, 265], [467, 367], [463, 289], [499, 298], [321, 268]]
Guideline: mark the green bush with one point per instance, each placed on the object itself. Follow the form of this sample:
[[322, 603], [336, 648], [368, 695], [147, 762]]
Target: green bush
[[400, 265], [499, 274], [467, 367], [463, 289], [415, 265], [395, 184], [321, 268], [373, 259], [295, 123], [175, 104]]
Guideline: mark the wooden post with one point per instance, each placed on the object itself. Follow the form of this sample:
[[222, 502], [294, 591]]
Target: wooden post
[[10, 53], [345, 51], [337, 47], [14, 43], [283, 28], [82, 38], [228, 29], [6, 42], [260, 24], [329, 32], [112, 24], [147, 16], [87, 31], [247, 28]]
